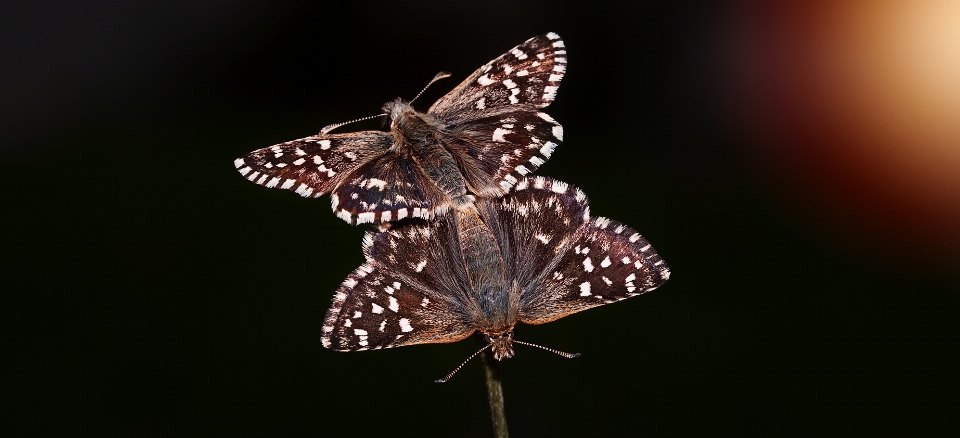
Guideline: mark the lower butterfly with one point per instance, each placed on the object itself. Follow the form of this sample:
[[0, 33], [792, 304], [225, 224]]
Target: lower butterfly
[[476, 141], [531, 257]]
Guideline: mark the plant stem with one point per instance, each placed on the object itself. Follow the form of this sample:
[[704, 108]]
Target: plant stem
[[491, 371]]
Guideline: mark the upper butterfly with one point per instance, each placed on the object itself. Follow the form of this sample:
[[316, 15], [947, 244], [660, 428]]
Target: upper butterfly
[[475, 141]]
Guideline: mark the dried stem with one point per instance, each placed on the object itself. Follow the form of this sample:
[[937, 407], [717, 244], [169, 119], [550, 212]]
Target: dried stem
[[491, 371]]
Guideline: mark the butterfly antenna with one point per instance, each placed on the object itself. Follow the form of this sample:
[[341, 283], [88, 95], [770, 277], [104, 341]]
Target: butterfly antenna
[[445, 379], [329, 128], [566, 355], [436, 78]]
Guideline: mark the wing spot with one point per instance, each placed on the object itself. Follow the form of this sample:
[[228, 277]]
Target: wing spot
[[364, 218], [606, 262], [485, 80], [405, 325], [549, 92], [558, 132], [547, 149], [394, 305], [304, 190], [585, 289], [499, 133]]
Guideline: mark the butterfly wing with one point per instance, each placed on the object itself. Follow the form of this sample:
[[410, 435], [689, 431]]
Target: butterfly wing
[[525, 77], [369, 183], [410, 291], [388, 188], [494, 152], [534, 224], [491, 120], [315, 165], [608, 262], [566, 261]]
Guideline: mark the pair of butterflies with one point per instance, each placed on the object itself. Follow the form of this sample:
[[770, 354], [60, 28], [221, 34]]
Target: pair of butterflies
[[492, 247]]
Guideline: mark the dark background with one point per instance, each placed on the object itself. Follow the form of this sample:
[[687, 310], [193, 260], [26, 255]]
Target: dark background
[[150, 290]]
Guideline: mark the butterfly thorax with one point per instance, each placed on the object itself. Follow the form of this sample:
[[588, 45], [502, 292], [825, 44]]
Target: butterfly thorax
[[410, 127], [501, 344]]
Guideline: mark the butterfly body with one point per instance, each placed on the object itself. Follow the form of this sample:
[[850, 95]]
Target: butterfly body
[[476, 141], [531, 257]]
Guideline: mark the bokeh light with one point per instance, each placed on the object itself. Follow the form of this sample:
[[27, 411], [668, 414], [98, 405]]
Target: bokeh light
[[853, 108]]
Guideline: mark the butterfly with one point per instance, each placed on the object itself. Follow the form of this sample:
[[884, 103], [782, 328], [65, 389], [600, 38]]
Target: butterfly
[[476, 141], [532, 256]]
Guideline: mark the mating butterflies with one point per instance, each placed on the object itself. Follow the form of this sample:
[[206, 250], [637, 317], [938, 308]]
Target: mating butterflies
[[532, 256], [477, 140]]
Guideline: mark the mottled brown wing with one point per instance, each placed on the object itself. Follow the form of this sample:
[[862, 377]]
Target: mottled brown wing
[[409, 291], [605, 263]]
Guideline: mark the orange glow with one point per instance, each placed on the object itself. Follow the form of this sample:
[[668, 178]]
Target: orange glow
[[857, 106]]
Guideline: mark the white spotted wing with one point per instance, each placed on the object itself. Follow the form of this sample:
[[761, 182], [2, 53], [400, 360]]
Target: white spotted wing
[[477, 140], [565, 260], [535, 256], [409, 291]]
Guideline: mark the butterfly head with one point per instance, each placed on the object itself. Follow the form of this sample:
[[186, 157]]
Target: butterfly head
[[501, 344], [407, 124]]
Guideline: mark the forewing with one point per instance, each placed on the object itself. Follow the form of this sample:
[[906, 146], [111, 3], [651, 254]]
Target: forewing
[[534, 225], [388, 188], [605, 263], [314, 165], [494, 152], [526, 76], [408, 292]]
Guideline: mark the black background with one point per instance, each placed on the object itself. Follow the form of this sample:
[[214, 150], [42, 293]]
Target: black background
[[150, 290]]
